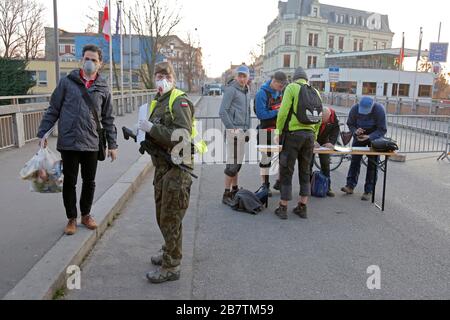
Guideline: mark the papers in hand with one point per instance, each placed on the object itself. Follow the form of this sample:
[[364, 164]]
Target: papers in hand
[[143, 115]]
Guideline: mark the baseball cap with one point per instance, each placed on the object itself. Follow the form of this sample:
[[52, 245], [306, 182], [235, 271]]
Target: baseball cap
[[366, 105], [243, 69]]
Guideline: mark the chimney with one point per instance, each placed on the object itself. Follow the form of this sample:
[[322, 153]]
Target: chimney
[[100, 18]]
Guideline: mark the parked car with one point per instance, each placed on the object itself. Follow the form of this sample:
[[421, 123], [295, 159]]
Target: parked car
[[213, 90]]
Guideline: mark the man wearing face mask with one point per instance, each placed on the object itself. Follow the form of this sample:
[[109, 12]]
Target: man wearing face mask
[[78, 140], [170, 125]]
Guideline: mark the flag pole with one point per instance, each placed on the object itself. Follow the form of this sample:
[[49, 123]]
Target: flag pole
[[131, 57], [417, 68], [111, 83], [400, 64], [122, 98]]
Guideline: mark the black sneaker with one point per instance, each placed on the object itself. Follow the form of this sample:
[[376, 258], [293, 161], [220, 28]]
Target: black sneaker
[[301, 211], [281, 213], [277, 185], [227, 198]]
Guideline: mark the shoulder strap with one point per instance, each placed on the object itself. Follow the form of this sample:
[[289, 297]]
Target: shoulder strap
[[88, 100]]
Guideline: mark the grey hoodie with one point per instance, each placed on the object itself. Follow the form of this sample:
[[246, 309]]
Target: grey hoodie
[[235, 109]]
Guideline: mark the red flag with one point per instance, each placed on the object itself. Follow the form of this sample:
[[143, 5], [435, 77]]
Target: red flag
[[106, 22]]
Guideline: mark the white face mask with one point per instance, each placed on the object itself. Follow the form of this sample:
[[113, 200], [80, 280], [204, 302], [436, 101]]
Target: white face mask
[[164, 86]]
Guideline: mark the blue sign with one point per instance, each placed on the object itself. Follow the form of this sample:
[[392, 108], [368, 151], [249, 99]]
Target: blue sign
[[334, 69], [438, 52]]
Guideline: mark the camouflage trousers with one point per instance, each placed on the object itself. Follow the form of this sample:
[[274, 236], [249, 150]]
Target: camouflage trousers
[[172, 194]]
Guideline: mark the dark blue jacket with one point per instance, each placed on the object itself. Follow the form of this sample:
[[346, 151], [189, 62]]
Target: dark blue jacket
[[374, 123], [261, 100]]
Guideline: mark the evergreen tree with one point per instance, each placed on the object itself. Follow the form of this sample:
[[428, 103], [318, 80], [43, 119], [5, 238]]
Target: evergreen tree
[[15, 80]]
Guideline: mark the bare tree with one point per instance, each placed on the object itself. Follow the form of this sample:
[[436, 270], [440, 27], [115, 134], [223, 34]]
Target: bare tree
[[10, 19], [154, 21], [191, 58], [32, 29]]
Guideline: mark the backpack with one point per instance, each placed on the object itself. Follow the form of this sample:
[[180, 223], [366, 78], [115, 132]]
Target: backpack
[[247, 201], [310, 108], [384, 145], [319, 185]]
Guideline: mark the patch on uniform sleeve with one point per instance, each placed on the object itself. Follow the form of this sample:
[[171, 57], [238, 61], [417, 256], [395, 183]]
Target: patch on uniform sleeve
[[184, 104]]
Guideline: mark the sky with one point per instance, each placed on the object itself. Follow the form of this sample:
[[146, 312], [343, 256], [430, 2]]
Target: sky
[[229, 29]]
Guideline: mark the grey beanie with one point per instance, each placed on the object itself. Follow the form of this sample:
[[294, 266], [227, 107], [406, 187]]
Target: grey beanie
[[300, 74]]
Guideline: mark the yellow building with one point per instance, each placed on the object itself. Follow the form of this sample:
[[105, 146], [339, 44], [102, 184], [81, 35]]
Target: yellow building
[[44, 74]]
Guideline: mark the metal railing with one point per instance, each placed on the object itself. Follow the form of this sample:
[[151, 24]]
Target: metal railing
[[414, 134], [401, 106], [21, 117]]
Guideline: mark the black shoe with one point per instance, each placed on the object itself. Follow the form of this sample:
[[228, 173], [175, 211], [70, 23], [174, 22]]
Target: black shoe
[[277, 185], [227, 198], [281, 213], [301, 211]]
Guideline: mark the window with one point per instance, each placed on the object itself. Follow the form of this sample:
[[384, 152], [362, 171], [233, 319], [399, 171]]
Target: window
[[315, 12], [341, 43], [425, 91], [341, 18], [383, 45], [375, 45], [361, 45], [319, 85], [331, 42], [62, 48], [403, 92], [287, 61], [346, 87], [288, 38], [355, 45], [313, 40], [42, 78], [385, 90], [369, 88], [312, 62]]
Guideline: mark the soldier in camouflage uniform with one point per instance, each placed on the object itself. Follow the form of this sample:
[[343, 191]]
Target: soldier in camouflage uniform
[[172, 112]]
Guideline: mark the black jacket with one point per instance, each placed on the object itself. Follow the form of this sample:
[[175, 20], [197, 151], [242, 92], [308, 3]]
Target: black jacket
[[77, 130], [329, 132]]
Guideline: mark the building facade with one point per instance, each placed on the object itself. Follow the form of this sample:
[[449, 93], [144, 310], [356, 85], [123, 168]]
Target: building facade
[[306, 30]]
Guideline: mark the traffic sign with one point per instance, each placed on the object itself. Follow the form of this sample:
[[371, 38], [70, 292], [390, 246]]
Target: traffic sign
[[438, 52], [334, 74]]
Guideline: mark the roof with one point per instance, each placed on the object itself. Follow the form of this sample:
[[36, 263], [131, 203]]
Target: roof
[[351, 18], [393, 52]]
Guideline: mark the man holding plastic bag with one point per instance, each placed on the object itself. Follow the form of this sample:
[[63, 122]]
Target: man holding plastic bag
[[82, 104]]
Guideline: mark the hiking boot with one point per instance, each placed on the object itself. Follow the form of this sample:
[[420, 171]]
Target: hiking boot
[[227, 198], [277, 185], [71, 227], [89, 222], [234, 192], [331, 194], [163, 275], [301, 211], [158, 259], [347, 190], [366, 197], [281, 213]]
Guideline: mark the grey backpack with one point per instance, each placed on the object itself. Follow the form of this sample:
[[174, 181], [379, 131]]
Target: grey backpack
[[247, 201]]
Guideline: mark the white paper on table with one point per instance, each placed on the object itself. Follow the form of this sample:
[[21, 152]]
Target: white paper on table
[[342, 149], [143, 115], [361, 149], [322, 149]]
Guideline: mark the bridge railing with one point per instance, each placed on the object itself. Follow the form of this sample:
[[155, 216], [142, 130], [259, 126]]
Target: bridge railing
[[20, 116]]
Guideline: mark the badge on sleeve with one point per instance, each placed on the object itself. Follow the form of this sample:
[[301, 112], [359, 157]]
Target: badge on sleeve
[[184, 104]]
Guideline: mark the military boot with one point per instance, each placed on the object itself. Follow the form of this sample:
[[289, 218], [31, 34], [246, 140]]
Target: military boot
[[164, 275], [227, 198]]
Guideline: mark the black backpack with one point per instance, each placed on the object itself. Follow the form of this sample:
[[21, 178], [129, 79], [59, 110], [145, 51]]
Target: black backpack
[[310, 108], [384, 145]]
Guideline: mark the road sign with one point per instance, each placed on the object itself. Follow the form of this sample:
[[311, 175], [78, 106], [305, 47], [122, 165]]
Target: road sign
[[334, 74], [438, 52]]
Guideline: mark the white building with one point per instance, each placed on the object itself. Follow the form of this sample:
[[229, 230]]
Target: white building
[[305, 30]]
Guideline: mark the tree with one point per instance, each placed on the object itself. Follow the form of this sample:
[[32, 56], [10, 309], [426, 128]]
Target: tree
[[154, 21], [442, 87], [21, 28], [14, 79], [191, 58], [32, 29]]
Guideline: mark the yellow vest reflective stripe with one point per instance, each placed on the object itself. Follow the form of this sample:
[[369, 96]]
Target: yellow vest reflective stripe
[[201, 146]]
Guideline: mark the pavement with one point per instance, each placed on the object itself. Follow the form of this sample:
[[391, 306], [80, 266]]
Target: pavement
[[31, 224], [231, 255]]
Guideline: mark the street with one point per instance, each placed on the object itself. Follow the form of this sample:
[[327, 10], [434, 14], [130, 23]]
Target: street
[[231, 255]]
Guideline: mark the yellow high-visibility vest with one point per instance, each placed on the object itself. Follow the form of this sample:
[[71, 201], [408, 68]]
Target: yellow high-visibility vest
[[201, 145]]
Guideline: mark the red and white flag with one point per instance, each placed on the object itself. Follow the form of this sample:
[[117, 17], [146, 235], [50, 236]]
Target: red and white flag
[[106, 22]]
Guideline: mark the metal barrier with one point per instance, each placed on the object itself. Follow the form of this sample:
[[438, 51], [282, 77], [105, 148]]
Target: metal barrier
[[414, 134], [20, 120]]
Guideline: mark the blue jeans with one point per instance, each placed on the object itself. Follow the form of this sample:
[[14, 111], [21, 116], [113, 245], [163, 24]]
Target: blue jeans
[[355, 168]]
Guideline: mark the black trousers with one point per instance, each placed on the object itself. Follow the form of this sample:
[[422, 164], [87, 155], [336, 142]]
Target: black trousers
[[298, 146], [72, 161]]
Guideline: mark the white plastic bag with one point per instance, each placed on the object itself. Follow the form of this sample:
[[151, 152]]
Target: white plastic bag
[[44, 171]]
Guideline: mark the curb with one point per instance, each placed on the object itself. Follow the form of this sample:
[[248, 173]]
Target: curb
[[49, 274]]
